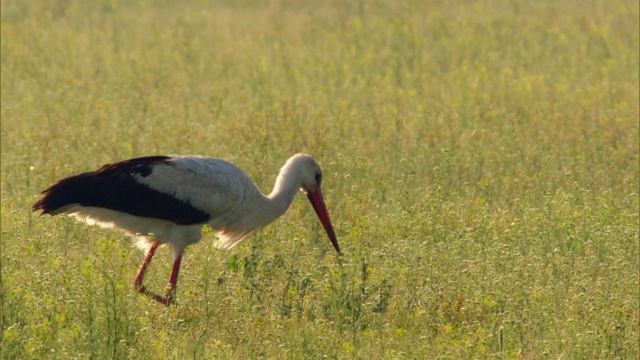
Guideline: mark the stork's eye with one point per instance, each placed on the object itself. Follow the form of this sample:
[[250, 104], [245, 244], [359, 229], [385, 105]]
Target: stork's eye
[[318, 178]]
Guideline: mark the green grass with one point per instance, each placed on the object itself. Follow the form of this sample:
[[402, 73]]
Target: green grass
[[481, 169]]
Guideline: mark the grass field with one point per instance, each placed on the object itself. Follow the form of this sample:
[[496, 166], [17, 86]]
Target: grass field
[[481, 166]]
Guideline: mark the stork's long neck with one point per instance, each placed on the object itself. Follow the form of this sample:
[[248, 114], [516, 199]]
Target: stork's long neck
[[260, 210], [286, 188]]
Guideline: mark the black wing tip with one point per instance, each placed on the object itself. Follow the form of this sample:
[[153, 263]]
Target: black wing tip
[[37, 206], [42, 205], [47, 203], [113, 187]]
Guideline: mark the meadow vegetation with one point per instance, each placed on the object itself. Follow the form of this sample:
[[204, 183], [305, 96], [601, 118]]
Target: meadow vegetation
[[481, 169]]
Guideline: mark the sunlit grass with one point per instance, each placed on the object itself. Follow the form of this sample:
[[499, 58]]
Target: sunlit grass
[[480, 158]]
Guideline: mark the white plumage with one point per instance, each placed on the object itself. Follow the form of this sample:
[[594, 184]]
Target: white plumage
[[167, 200]]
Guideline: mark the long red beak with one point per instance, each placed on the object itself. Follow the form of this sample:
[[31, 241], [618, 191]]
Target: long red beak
[[317, 201]]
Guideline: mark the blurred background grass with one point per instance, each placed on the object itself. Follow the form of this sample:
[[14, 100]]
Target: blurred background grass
[[480, 159]]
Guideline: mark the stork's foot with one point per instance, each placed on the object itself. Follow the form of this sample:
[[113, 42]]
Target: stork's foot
[[166, 300]]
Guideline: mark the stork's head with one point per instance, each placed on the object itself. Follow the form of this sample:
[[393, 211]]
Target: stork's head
[[310, 184], [311, 174]]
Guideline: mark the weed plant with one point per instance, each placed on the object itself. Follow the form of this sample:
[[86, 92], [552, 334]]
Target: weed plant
[[481, 169]]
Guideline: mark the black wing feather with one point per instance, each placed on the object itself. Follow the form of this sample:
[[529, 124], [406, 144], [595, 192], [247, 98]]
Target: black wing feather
[[114, 187]]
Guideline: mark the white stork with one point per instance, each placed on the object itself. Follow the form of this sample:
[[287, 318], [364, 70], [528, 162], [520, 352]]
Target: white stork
[[167, 199]]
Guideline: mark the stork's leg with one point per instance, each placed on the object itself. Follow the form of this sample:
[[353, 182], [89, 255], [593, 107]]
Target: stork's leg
[[137, 283], [169, 297], [173, 280]]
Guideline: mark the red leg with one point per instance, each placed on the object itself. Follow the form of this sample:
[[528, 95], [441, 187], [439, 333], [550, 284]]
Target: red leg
[[168, 299], [138, 281], [173, 281]]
